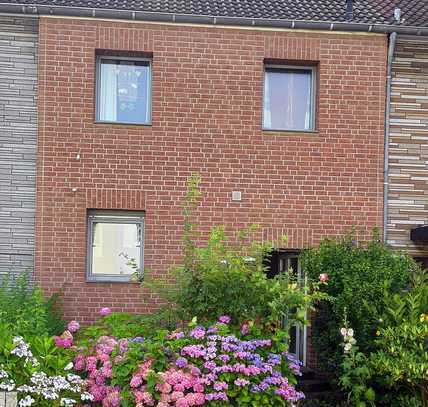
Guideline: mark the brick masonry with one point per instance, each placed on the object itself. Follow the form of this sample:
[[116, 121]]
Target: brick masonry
[[207, 110], [18, 133], [408, 147]]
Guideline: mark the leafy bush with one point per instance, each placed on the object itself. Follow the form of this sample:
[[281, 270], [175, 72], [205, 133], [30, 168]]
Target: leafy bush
[[358, 276], [39, 373], [23, 306], [397, 367], [227, 275]]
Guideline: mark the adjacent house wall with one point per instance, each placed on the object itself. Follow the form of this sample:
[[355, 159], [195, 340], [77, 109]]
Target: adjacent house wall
[[18, 133], [408, 148]]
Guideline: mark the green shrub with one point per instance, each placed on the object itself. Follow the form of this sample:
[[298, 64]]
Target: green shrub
[[227, 275], [397, 366], [358, 275], [39, 371], [23, 306]]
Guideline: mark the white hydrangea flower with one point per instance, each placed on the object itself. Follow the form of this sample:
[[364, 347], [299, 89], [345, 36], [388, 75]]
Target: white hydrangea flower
[[26, 401], [67, 402], [86, 396], [25, 388], [3, 374], [22, 350], [60, 383], [7, 386], [39, 378], [49, 394]]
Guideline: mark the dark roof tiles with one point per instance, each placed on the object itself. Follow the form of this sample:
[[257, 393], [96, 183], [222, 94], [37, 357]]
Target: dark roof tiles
[[414, 12]]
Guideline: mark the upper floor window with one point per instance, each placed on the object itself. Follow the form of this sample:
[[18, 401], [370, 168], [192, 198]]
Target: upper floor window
[[289, 98], [123, 90], [115, 245]]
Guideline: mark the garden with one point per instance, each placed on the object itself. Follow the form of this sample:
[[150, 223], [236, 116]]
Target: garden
[[226, 340]]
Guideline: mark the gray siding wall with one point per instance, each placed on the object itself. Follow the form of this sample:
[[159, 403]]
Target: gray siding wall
[[18, 137]]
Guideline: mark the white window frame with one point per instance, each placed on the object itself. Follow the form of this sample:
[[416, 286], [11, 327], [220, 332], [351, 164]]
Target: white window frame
[[111, 217], [285, 68], [99, 60]]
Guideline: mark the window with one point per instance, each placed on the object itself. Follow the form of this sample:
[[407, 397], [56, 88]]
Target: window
[[115, 245], [123, 90], [289, 98]]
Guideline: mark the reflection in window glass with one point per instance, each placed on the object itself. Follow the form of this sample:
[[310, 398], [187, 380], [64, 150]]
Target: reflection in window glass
[[288, 99], [124, 91], [114, 247]]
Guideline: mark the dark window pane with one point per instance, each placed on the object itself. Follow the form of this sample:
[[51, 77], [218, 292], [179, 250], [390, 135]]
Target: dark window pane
[[288, 100], [124, 91]]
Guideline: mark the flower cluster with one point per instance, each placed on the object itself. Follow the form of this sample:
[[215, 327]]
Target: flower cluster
[[199, 366], [22, 350], [348, 339], [229, 363], [176, 387], [40, 385], [98, 365]]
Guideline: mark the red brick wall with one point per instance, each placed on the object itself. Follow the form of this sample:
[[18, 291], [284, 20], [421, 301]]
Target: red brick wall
[[207, 109]]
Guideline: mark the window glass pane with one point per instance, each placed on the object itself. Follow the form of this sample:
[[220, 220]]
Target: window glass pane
[[124, 91], [115, 247], [288, 99]]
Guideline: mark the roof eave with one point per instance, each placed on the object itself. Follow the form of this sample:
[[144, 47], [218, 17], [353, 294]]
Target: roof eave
[[207, 20]]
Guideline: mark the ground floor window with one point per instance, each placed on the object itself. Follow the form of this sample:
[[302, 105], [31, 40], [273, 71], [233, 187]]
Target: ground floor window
[[115, 245]]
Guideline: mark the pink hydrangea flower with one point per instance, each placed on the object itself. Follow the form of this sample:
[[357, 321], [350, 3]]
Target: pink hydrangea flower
[[136, 381], [225, 319], [323, 277], [73, 326], [79, 363], [245, 329], [105, 311]]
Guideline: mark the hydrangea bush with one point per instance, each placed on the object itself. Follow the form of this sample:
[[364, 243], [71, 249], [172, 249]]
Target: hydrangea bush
[[22, 372], [199, 365]]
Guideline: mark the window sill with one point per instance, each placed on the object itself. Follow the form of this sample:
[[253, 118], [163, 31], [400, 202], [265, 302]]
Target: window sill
[[291, 132], [122, 124], [112, 280]]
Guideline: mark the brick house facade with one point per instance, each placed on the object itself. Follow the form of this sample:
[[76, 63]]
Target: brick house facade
[[204, 68], [207, 103]]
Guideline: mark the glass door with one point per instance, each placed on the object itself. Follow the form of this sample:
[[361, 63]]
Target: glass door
[[298, 334]]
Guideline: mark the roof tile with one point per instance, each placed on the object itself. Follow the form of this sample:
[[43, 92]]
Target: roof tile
[[414, 12]]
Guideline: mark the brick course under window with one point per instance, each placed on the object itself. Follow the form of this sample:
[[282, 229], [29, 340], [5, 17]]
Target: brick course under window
[[207, 105]]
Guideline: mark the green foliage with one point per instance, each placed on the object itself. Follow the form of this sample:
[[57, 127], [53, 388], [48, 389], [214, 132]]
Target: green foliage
[[358, 275], [41, 356], [355, 379], [23, 306], [117, 324], [397, 365], [227, 275], [401, 355]]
